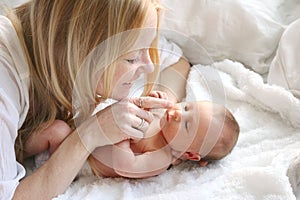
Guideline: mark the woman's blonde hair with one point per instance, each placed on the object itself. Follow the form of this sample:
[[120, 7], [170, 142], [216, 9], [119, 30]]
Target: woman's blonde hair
[[57, 37]]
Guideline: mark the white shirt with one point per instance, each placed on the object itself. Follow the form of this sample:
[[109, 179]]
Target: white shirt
[[14, 104]]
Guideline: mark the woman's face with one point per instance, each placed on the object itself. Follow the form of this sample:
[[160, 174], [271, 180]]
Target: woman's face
[[130, 66]]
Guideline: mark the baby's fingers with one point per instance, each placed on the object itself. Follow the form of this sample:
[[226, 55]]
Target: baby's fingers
[[158, 94]]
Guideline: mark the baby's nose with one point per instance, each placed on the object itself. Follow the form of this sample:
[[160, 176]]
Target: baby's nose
[[174, 115]]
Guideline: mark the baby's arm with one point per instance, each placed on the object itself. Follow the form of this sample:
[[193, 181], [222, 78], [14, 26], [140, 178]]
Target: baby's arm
[[174, 80], [127, 164]]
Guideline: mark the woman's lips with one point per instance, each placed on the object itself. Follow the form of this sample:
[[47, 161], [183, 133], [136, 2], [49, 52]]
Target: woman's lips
[[127, 85]]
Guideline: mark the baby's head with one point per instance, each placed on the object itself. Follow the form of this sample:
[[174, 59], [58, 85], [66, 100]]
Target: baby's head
[[200, 130]]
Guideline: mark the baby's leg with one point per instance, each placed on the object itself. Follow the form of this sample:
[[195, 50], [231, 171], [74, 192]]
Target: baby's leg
[[42, 144], [48, 139], [59, 130]]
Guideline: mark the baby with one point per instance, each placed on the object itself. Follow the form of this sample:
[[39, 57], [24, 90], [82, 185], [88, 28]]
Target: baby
[[199, 131]]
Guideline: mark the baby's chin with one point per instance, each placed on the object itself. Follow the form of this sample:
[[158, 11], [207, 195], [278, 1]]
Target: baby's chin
[[159, 114], [163, 121]]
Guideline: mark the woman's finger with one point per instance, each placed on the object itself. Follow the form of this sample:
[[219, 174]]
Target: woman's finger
[[141, 124], [152, 102], [146, 115], [131, 119]]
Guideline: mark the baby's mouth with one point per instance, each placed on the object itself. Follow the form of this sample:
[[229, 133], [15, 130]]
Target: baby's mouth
[[164, 120]]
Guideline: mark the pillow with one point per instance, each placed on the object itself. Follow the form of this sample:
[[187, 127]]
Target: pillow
[[214, 30], [284, 70]]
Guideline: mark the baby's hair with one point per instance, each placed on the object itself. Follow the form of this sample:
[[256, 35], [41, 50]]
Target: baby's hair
[[228, 138]]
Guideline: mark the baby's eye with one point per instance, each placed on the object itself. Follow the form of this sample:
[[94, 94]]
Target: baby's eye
[[186, 125], [186, 108]]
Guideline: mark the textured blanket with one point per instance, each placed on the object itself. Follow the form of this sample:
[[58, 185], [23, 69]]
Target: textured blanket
[[256, 168]]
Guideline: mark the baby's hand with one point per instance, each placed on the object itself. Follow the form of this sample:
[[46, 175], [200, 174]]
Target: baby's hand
[[159, 94]]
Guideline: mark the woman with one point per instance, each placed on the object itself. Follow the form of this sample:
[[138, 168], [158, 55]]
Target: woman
[[60, 59]]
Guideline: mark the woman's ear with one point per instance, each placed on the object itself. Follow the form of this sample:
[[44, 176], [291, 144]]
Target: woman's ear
[[192, 156]]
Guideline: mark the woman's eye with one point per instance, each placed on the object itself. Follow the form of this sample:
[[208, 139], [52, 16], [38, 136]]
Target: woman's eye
[[132, 61]]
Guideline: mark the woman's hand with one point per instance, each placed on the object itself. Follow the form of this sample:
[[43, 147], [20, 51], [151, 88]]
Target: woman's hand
[[123, 120], [132, 115]]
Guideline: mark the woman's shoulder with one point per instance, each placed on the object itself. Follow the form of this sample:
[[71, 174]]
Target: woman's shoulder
[[6, 26], [11, 48], [14, 68]]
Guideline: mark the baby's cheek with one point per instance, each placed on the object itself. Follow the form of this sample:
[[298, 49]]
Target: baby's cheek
[[173, 130]]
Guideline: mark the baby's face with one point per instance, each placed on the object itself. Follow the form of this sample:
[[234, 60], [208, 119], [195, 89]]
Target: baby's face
[[180, 125], [185, 126]]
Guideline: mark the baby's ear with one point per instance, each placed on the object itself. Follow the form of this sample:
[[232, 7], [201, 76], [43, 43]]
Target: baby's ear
[[192, 156], [203, 163], [195, 157]]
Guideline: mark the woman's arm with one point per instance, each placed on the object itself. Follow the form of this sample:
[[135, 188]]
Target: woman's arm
[[102, 129], [127, 164], [54, 177]]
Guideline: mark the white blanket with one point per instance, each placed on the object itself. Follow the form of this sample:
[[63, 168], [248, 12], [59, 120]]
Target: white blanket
[[256, 168]]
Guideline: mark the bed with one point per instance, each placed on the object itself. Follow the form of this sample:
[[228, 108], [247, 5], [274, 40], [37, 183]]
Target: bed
[[231, 44]]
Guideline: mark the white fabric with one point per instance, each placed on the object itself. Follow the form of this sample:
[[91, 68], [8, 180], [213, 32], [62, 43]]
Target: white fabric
[[246, 31], [170, 53], [285, 68], [14, 102], [293, 173], [256, 168], [13, 3]]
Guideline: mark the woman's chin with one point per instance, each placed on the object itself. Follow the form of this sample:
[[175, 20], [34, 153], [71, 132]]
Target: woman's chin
[[121, 95]]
